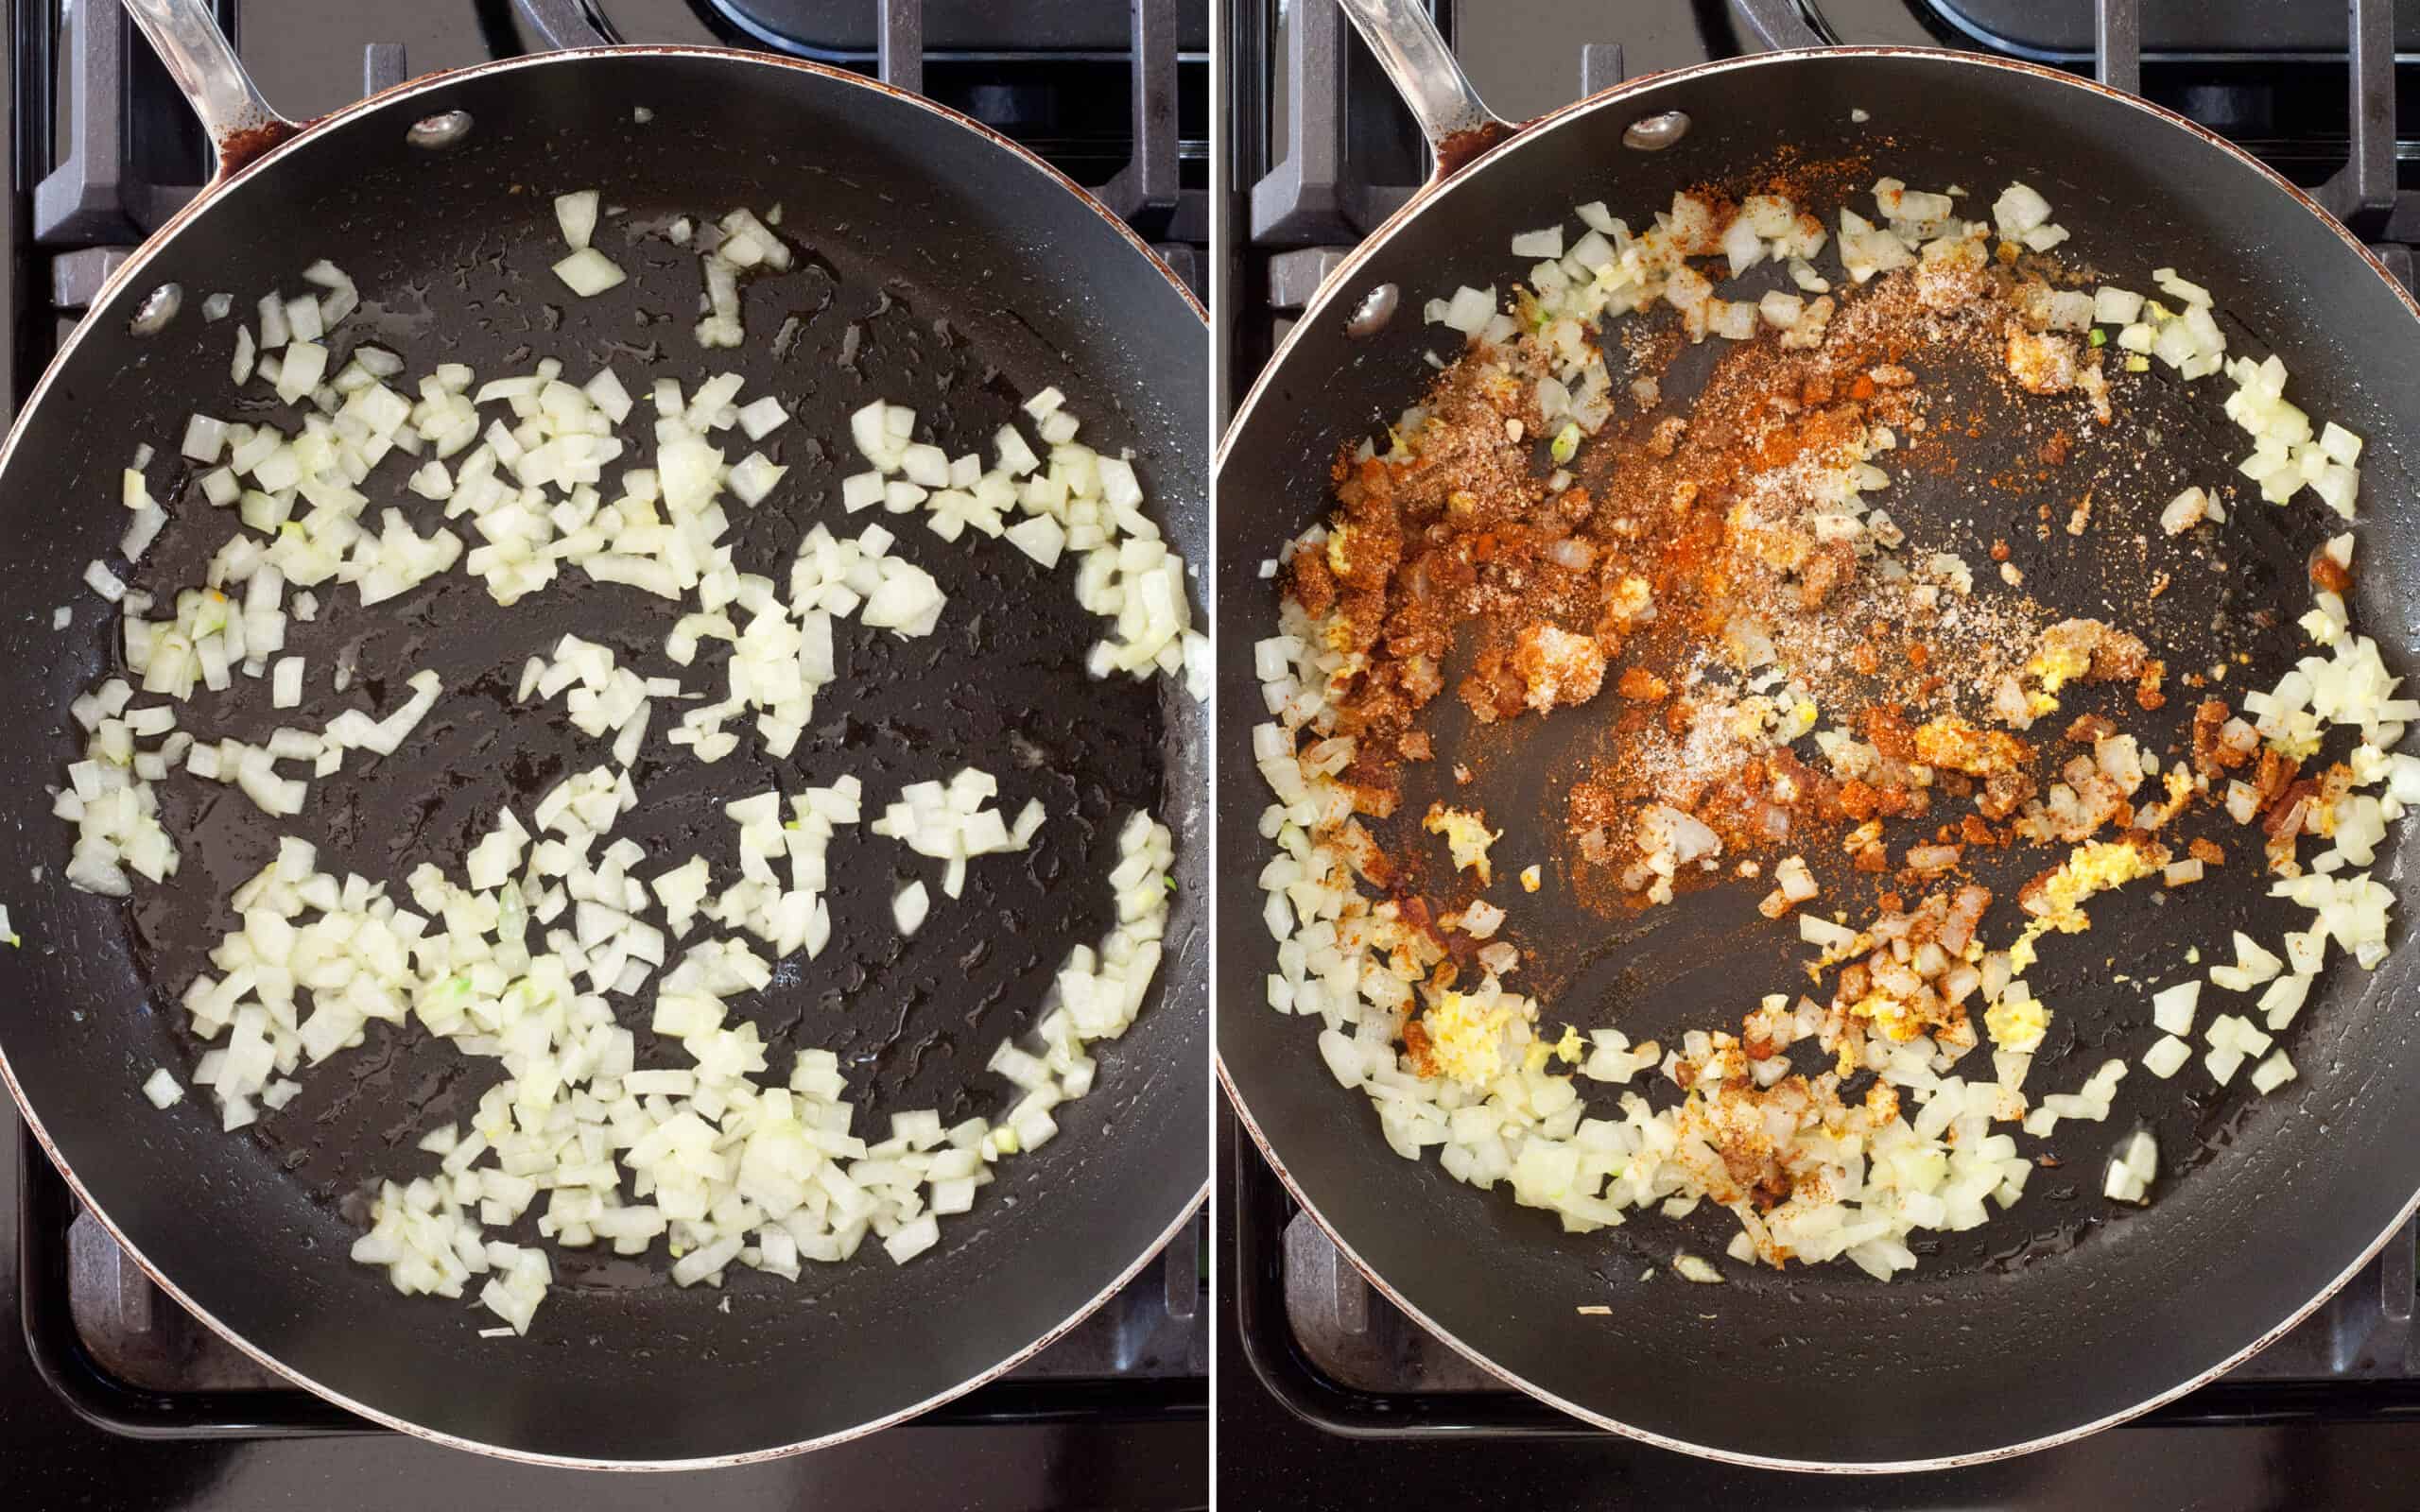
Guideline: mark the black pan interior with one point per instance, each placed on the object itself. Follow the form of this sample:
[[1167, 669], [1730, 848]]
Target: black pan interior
[[2017, 1331], [937, 268]]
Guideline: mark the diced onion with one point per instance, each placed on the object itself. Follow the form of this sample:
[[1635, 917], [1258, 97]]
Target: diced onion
[[163, 1088], [909, 908], [576, 214], [588, 273]]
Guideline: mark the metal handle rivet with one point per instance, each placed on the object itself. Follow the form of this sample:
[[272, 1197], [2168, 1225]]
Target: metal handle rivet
[[158, 307], [440, 131], [1377, 308], [1654, 133]]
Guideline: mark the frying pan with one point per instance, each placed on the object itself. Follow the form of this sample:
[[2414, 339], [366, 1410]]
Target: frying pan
[[2063, 1315], [940, 266]]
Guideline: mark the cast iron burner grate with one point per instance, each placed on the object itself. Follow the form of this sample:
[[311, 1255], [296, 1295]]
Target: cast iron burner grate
[[2061, 31], [850, 30]]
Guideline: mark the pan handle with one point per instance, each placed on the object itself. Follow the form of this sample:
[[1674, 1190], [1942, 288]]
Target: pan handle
[[1457, 122], [559, 25], [242, 126]]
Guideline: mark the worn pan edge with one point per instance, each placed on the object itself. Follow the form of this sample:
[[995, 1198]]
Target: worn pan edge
[[1324, 305], [126, 273]]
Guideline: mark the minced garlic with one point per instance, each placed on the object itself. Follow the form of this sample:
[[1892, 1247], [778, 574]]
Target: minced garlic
[[1466, 835]]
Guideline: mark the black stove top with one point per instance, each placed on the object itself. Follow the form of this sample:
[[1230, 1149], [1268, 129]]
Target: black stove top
[[109, 1395], [1351, 1400]]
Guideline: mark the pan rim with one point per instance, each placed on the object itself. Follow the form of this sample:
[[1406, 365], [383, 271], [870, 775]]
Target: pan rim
[[1324, 305], [126, 273]]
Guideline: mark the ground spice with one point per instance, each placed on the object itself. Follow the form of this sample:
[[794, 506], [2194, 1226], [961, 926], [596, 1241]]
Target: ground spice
[[1686, 586]]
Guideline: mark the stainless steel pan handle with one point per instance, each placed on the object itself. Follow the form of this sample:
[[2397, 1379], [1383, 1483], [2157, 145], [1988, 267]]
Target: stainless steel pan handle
[[562, 24], [241, 123], [1457, 122]]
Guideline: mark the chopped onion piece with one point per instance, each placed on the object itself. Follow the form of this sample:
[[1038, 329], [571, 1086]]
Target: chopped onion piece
[[762, 416], [1539, 244], [2165, 1058], [163, 1088], [909, 908], [300, 367], [2172, 1008], [753, 478], [588, 273], [2272, 1074], [1040, 538], [1469, 310], [204, 438], [576, 212], [142, 531], [274, 332]]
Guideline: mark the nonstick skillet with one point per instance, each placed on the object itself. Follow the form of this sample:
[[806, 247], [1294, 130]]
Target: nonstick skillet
[[940, 266], [2003, 1343]]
